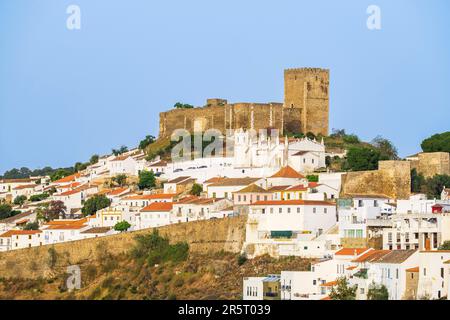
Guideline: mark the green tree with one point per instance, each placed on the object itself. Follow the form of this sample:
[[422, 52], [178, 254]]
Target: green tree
[[52, 211], [79, 166], [20, 200], [362, 158], [377, 292], [122, 226], [39, 197], [6, 211], [61, 173], [31, 226], [312, 178], [435, 185], [147, 180], [310, 135], [350, 138], [387, 149], [417, 181], [120, 180], [92, 205], [445, 245], [119, 151], [437, 142], [94, 159], [180, 105], [149, 139], [342, 291], [197, 189]]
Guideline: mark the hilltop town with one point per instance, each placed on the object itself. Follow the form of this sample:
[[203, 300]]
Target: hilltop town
[[336, 217]]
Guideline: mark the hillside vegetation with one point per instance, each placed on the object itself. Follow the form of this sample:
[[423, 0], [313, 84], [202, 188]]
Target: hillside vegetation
[[153, 268]]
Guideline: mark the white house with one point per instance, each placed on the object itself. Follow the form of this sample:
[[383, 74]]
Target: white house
[[156, 214], [193, 208], [224, 188], [434, 274], [290, 227], [253, 288], [19, 239]]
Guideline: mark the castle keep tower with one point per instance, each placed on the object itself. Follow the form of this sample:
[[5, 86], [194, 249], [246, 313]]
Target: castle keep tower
[[306, 100]]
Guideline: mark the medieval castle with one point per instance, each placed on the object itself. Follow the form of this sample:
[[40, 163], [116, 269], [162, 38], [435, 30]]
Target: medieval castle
[[305, 109]]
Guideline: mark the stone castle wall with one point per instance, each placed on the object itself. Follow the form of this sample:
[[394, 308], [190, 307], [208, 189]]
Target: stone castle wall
[[305, 109], [392, 179], [202, 236], [432, 163]]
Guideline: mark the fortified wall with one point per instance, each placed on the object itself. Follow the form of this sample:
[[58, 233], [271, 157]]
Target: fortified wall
[[202, 236], [432, 163], [305, 109], [392, 179]]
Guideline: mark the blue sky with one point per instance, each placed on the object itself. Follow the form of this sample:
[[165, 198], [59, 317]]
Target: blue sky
[[67, 94]]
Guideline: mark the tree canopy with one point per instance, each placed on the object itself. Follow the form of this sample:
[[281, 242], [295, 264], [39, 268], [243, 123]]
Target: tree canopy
[[362, 158], [20, 200], [92, 205], [120, 179], [437, 142], [119, 151], [180, 105], [149, 139], [6, 211], [122, 226], [52, 210], [387, 149], [197, 189], [377, 292], [147, 180], [342, 291]]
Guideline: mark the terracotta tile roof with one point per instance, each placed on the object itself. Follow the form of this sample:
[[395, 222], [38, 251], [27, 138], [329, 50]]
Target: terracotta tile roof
[[230, 182], [158, 206], [66, 227], [121, 158], [151, 196], [395, 256], [70, 185], [160, 163], [415, 269], [329, 284], [117, 191], [326, 298], [68, 193], [17, 216], [68, 178], [301, 153], [370, 256], [447, 262], [68, 222], [215, 179], [287, 172], [19, 233], [350, 268], [253, 188], [96, 230], [179, 179], [351, 251], [313, 184], [22, 221], [293, 202], [299, 187], [25, 186], [278, 188]]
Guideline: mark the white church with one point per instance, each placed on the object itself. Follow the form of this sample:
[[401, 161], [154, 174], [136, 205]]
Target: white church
[[254, 156]]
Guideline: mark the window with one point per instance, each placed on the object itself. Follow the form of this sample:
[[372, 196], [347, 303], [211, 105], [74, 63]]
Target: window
[[442, 272], [325, 210], [225, 195], [271, 210], [424, 271], [288, 210], [239, 198], [361, 291], [360, 203], [375, 203], [314, 210], [280, 210], [298, 209], [263, 211], [257, 198]]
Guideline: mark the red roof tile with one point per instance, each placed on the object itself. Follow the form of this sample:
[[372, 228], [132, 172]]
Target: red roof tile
[[351, 251], [158, 206], [287, 172]]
